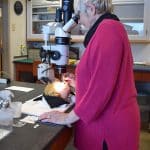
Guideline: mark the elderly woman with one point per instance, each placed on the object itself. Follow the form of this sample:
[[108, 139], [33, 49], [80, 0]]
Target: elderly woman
[[106, 111]]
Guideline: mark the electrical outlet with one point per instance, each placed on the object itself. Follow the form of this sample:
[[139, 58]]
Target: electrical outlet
[[13, 27]]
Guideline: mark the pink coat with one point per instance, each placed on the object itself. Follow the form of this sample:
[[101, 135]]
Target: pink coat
[[105, 92]]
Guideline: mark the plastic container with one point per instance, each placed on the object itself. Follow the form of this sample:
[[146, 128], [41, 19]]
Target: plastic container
[[16, 109], [6, 123]]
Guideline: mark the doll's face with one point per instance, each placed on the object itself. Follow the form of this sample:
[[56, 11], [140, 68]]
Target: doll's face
[[62, 88]]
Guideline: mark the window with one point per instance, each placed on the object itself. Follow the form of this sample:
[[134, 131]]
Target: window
[[131, 15]]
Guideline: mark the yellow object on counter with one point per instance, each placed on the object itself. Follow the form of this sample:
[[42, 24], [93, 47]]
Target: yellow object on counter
[[72, 61]]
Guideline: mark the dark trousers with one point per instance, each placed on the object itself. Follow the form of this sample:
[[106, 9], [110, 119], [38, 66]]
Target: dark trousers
[[105, 147]]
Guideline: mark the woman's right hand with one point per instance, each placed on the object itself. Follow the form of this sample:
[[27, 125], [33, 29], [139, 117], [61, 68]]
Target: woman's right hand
[[69, 78]]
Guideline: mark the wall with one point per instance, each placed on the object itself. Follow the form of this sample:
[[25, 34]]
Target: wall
[[16, 26], [0, 37], [141, 52]]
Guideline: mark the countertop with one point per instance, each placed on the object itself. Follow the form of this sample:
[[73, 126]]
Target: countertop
[[143, 68], [26, 137], [28, 61], [80, 39]]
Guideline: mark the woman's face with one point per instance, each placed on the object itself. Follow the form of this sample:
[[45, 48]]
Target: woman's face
[[87, 14], [84, 20]]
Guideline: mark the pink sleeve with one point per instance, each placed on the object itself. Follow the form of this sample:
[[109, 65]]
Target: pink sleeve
[[105, 55]]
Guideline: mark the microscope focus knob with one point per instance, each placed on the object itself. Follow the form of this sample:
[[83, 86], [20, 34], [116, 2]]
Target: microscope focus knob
[[55, 55]]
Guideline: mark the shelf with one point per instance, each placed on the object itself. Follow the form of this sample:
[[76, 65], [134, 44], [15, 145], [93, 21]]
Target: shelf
[[140, 41], [46, 6], [35, 21], [131, 19], [43, 13], [123, 2], [131, 13], [80, 39]]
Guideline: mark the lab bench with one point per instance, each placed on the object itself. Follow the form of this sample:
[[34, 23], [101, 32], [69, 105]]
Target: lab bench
[[142, 73], [27, 137], [26, 70]]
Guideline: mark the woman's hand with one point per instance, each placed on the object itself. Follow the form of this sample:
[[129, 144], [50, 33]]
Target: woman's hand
[[58, 117], [69, 78]]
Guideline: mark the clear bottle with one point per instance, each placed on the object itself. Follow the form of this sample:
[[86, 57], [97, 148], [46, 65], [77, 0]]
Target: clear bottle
[[6, 122]]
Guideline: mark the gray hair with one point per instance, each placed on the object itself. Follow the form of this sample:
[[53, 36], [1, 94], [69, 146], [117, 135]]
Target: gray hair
[[101, 6]]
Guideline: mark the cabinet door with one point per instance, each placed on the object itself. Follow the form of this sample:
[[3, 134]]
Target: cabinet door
[[133, 14], [38, 14]]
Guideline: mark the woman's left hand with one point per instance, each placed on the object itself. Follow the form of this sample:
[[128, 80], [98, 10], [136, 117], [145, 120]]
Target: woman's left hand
[[56, 117]]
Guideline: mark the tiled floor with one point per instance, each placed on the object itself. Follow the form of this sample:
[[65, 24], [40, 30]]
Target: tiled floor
[[144, 141], [70, 146]]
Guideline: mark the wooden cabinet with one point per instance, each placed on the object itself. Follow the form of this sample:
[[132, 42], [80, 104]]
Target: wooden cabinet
[[41, 15], [142, 76], [62, 140], [26, 71], [134, 14]]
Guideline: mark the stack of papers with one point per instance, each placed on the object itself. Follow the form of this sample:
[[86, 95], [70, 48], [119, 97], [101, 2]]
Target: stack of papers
[[19, 88], [36, 108]]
